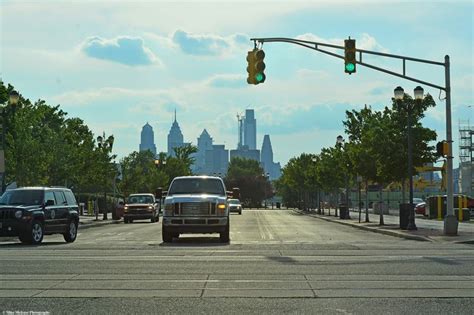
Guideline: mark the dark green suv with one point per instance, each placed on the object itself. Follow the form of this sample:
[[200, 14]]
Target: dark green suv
[[32, 212]]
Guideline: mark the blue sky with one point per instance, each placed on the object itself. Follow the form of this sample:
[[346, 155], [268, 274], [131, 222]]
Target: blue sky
[[118, 64]]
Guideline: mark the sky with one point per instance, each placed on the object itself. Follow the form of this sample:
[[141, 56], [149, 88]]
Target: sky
[[120, 64]]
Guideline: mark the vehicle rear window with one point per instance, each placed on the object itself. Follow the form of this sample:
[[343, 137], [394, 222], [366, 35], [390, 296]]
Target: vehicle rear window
[[197, 186]]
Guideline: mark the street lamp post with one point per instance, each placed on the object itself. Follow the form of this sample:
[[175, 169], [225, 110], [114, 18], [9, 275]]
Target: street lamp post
[[399, 94], [13, 99]]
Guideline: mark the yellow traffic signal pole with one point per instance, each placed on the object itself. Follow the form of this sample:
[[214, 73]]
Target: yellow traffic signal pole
[[450, 220]]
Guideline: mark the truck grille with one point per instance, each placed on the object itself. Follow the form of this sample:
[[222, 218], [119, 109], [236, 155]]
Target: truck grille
[[7, 215], [195, 208]]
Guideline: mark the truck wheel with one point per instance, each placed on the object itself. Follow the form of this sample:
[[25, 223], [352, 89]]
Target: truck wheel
[[71, 233], [153, 219], [167, 237], [125, 220], [224, 236]]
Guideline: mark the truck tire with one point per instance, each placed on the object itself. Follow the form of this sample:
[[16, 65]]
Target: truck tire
[[167, 237], [224, 236]]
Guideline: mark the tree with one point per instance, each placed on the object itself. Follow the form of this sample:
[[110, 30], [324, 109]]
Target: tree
[[249, 176], [140, 174]]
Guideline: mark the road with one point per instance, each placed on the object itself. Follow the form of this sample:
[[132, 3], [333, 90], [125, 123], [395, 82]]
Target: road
[[278, 261]]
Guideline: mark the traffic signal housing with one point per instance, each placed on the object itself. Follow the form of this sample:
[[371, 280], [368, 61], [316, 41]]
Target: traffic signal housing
[[442, 148], [350, 56], [255, 66]]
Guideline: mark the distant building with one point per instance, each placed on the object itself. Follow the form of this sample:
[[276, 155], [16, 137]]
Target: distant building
[[217, 160], [204, 143], [271, 168], [147, 139], [175, 137], [250, 129], [246, 153]]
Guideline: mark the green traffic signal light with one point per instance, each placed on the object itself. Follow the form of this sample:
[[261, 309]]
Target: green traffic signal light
[[260, 77], [350, 67], [350, 56], [255, 66]]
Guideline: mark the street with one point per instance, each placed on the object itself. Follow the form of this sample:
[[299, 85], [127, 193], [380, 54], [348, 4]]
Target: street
[[278, 261]]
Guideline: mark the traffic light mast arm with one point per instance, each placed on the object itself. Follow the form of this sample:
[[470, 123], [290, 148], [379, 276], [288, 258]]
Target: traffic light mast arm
[[450, 223], [315, 46]]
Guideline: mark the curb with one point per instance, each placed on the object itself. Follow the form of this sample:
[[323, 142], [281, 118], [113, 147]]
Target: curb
[[366, 228]]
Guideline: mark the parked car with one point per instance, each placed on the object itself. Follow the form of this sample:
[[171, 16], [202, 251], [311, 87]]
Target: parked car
[[235, 206], [32, 212], [420, 208], [141, 206]]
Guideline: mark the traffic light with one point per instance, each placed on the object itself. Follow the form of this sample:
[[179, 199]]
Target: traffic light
[[255, 66], [350, 56], [442, 148]]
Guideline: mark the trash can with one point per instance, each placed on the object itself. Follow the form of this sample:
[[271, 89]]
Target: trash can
[[343, 211], [278, 205], [404, 215]]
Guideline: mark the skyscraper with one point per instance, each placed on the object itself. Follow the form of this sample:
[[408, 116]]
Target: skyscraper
[[175, 137], [147, 139], [250, 129], [267, 154], [204, 143], [271, 168]]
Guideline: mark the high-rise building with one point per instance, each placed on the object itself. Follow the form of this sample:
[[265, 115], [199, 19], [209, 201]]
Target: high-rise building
[[147, 139], [175, 137], [204, 143], [217, 160], [250, 129], [271, 168]]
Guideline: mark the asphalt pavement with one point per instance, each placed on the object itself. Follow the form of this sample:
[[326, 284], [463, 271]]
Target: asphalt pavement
[[278, 261]]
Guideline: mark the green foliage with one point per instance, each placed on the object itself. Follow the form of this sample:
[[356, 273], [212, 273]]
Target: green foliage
[[45, 147], [300, 177], [140, 174], [249, 176]]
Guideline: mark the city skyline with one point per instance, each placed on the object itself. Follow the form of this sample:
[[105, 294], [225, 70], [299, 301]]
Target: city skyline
[[115, 77]]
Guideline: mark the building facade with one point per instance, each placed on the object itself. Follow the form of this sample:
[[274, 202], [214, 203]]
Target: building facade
[[175, 137], [147, 139], [250, 129], [271, 168]]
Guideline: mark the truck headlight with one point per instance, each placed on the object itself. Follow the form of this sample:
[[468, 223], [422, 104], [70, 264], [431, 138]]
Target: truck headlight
[[125, 209], [18, 214], [221, 208]]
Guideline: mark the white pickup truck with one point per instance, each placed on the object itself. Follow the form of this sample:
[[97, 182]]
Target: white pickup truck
[[196, 204]]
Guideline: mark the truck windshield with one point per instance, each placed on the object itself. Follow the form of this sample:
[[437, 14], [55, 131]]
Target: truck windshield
[[22, 197], [197, 186], [140, 199]]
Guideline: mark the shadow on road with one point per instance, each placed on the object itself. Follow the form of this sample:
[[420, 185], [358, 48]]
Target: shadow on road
[[195, 241]]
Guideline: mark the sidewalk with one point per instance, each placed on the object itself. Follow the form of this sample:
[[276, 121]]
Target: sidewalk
[[87, 221], [428, 230]]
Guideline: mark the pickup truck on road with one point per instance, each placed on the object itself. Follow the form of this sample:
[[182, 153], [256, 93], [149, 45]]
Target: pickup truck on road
[[195, 204]]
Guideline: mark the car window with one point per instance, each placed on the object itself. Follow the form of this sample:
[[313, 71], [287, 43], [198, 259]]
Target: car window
[[71, 200], [60, 199], [140, 199], [49, 195]]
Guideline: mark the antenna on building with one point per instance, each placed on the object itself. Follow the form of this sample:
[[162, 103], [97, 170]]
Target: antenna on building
[[175, 114]]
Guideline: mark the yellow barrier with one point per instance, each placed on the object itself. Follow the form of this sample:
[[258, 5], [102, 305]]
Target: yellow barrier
[[89, 207], [439, 208]]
